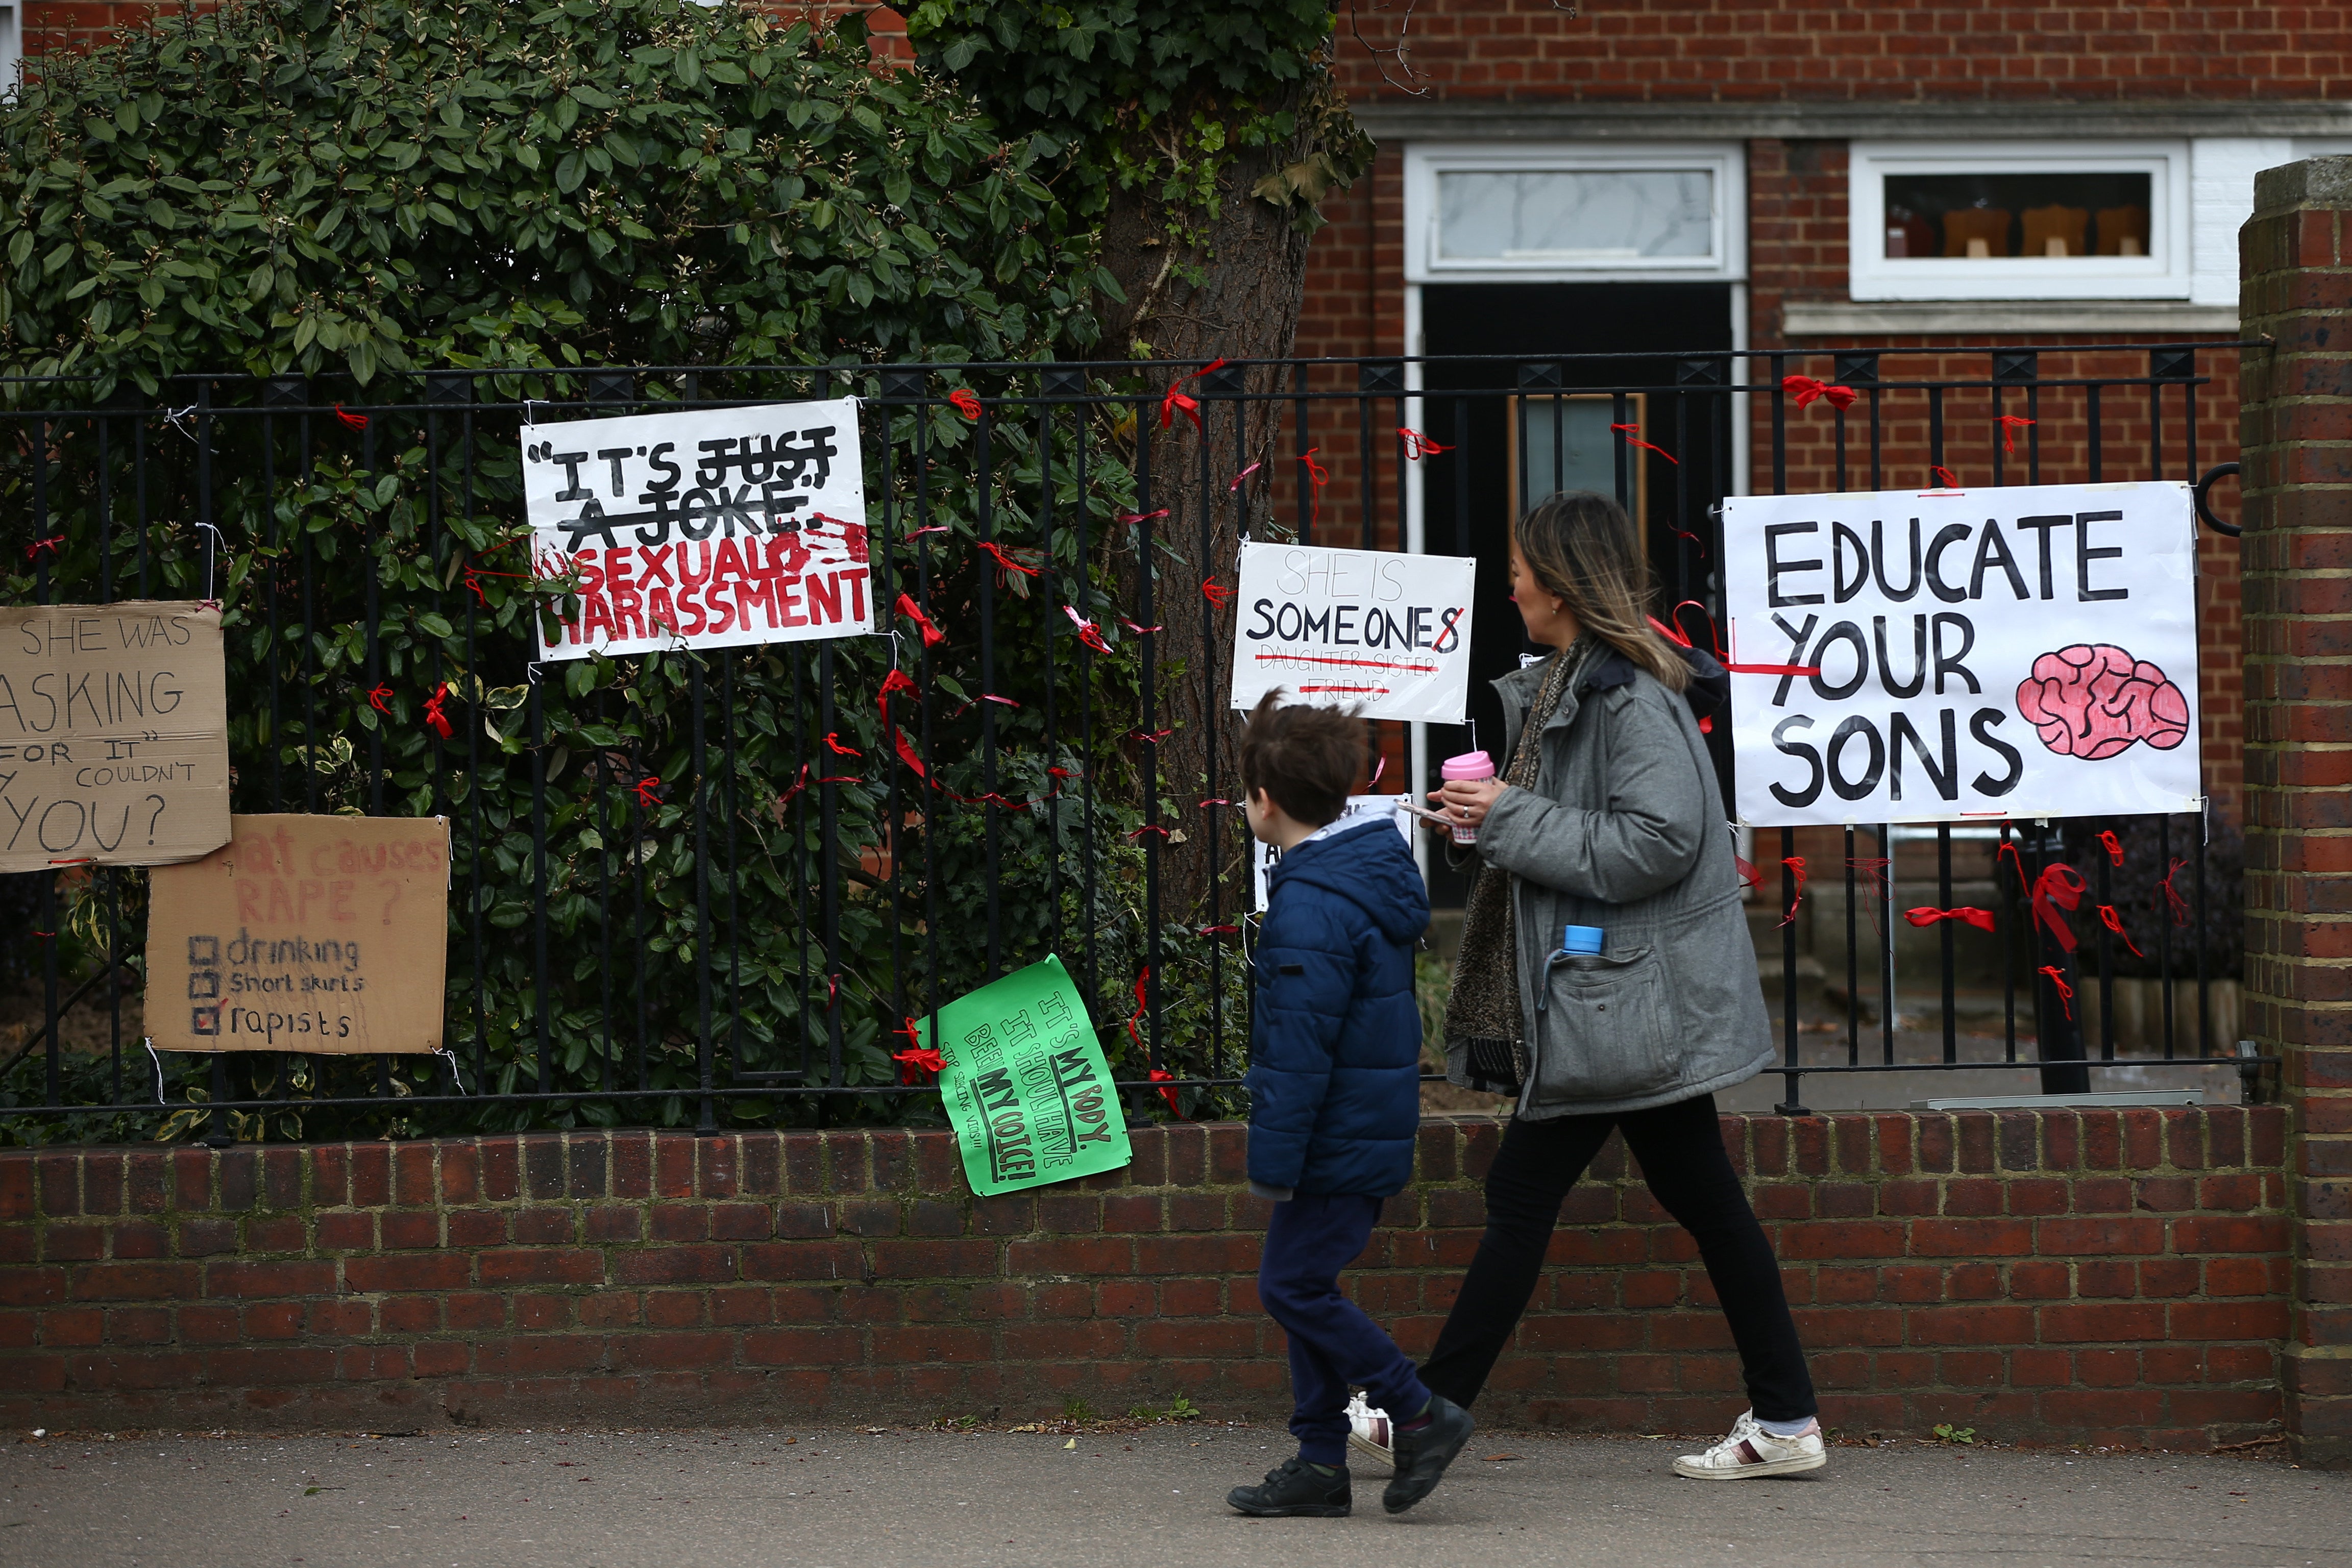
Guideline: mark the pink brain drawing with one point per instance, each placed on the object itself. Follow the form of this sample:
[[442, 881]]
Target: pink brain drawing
[[2093, 700]]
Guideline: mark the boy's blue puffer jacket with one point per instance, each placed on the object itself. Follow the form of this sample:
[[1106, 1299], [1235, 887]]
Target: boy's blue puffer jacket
[[1335, 1038]]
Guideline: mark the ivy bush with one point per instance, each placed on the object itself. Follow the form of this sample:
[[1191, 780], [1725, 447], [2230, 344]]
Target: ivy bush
[[358, 193]]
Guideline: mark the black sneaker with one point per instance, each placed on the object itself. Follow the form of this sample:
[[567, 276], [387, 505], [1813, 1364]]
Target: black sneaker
[[1421, 1455], [1295, 1489]]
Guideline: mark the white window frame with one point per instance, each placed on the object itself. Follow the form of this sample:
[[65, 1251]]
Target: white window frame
[[2164, 273], [1726, 161], [12, 47]]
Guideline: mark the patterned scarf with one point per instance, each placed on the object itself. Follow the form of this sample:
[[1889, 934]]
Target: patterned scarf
[[1482, 1014]]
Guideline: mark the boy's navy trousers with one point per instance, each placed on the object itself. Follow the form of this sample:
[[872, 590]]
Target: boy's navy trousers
[[1333, 1345]]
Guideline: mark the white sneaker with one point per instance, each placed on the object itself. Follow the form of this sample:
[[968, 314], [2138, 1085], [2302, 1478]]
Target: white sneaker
[[1368, 1431], [1751, 1451]]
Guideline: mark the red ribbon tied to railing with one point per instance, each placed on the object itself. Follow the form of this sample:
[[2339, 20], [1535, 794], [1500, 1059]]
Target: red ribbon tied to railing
[[1807, 391], [2060, 886], [1796, 865], [1244, 475], [1951, 480], [1317, 476], [1178, 399], [892, 684], [917, 1061], [1088, 633], [966, 403], [1633, 434], [50, 544], [1750, 877], [2113, 845], [1133, 1034], [833, 743], [1133, 517], [2065, 992], [1004, 562], [1164, 1078], [2178, 906], [1927, 915], [433, 714], [649, 789], [379, 698], [1418, 445], [2113, 920], [356, 421], [2009, 424], [932, 636], [1216, 592], [785, 799]]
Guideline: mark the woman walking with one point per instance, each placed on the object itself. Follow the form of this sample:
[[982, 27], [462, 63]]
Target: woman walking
[[1606, 977]]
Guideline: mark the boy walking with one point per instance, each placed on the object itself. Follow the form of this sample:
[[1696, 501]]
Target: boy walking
[[1335, 1101]]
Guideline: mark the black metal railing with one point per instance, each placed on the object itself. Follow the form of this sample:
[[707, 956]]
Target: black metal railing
[[713, 889]]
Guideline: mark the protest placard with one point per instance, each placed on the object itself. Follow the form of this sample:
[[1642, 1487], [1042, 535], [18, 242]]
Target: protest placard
[[1385, 632], [1265, 856], [1024, 1082], [704, 528], [325, 934], [2021, 652], [113, 735]]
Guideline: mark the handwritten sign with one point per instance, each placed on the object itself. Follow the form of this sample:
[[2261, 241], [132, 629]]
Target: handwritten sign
[[1265, 856], [113, 735], [2021, 652], [1355, 629], [706, 528], [324, 934], [1025, 1085]]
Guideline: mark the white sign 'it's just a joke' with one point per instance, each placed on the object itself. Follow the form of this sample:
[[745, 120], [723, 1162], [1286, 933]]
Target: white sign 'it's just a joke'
[[705, 528], [2027, 651], [1355, 629]]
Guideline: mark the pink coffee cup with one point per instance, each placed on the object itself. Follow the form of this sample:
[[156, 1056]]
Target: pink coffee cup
[[1468, 765]]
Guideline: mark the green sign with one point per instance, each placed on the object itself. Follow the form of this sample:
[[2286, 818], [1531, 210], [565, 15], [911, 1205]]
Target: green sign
[[1025, 1085]]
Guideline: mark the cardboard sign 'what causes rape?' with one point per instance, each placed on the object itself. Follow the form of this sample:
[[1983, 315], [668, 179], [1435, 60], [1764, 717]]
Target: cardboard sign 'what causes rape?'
[[113, 735], [706, 528], [1025, 1085], [323, 934]]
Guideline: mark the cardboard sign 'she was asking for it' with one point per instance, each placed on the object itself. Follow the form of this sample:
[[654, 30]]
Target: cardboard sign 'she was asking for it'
[[1355, 629], [325, 934], [2025, 651], [1025, 1085], [706, 528], [113, 735]]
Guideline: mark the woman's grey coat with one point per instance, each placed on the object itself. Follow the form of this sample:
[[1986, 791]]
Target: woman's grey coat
[[1624, 830]]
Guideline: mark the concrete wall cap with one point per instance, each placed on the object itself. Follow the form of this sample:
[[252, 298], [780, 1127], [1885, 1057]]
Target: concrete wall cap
[[2310, 183]]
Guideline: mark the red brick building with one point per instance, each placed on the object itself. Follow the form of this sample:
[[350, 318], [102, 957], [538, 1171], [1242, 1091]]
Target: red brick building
[[1661, 175]]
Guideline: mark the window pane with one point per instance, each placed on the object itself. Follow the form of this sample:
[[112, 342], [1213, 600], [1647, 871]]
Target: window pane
[[1980, 217], [1589, 215]]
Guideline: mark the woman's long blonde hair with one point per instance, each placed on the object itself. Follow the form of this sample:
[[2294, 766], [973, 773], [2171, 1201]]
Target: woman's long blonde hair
[[1584, 548]]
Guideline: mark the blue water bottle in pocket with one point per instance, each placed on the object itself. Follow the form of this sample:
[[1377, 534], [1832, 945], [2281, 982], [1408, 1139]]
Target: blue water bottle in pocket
[[1574, 940]]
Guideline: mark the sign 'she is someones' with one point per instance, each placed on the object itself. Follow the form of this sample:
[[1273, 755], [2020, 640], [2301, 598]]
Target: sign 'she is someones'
[[1373, 629], [113, 735], [705, 528], [2020, 652]]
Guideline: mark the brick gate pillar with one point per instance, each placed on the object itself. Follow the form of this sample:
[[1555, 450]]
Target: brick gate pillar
[[2295, 256]]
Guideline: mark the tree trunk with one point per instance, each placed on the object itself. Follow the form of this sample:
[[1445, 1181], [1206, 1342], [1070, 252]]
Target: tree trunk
[[1200, 287]]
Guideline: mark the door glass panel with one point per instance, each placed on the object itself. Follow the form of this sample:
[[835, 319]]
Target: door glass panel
[[1591, 215]]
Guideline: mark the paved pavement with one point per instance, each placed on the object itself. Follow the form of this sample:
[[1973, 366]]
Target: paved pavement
[[801, 1497]]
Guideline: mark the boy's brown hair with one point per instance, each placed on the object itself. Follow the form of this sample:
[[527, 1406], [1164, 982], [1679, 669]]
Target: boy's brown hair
[[1306, 759]]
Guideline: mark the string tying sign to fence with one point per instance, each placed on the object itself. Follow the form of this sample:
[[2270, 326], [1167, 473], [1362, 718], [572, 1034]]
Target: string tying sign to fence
[[705, 528]]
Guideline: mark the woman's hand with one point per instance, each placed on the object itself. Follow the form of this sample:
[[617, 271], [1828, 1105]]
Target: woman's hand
[[1467, 801]]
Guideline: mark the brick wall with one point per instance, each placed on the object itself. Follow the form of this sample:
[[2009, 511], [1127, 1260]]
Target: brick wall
[[1999, 51], [2094, 1276], [2296, 254]]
